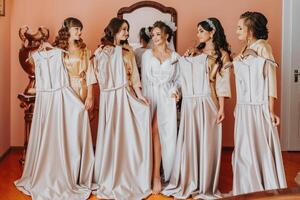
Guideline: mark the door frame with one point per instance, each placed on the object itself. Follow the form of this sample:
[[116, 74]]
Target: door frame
[[286, 74]]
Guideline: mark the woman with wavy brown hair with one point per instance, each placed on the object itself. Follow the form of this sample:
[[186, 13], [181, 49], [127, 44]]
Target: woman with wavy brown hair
[[123, 150], [77, 60]]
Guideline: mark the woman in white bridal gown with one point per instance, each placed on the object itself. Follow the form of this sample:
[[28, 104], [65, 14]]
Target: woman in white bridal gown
[[160, 87]]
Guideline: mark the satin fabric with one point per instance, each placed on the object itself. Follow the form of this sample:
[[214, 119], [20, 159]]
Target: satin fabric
[[264, 49], [198, 150], [257, 161], [123, 159], [80, 71], [159, 82], [59, 160]]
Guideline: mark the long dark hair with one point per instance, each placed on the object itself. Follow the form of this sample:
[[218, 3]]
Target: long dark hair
[[257, 23], [219, 39], [111, 30], [62, 39]]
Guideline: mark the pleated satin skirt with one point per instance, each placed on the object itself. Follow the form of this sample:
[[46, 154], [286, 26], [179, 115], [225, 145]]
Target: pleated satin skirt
[[60, 158], [257, 161], [123, 159], [198, 151]]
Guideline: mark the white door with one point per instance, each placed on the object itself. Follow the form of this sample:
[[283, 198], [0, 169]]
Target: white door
[[290, 74]]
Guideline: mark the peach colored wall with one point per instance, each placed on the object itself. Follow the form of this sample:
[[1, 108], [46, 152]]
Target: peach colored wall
[[5, 80], [95, 14]]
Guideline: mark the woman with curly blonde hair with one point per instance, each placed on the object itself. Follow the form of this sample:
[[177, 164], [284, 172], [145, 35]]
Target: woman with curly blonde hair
[[77, 60]]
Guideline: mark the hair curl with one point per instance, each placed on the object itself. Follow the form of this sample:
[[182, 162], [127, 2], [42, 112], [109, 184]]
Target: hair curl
[[257, 23], [112, 29], [62, 39], [164, 28], [219, 39]]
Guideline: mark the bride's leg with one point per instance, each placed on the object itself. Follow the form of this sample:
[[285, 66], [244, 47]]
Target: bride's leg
[[157, 157]]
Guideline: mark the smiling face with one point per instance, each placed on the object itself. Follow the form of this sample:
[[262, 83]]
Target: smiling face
[[242, 30], [123, 33], [158, 36], [204, 35], [75, 33]]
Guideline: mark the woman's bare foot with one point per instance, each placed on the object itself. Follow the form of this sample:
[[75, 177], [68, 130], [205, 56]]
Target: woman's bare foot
[[156, 189]]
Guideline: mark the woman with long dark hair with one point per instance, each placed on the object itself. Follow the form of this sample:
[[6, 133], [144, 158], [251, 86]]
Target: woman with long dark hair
[[205, 83], [123, 158], [257, 161]]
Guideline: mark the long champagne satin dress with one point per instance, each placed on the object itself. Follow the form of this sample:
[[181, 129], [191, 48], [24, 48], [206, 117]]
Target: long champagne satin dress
[[257, 161], [60, 158], [123, 159], [198, 150]]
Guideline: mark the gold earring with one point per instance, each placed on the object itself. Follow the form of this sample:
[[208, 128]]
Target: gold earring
[[248, 41]]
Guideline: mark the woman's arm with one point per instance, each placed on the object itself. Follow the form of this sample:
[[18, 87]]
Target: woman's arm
[[223, 89]]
